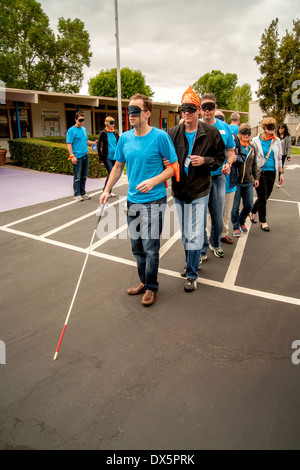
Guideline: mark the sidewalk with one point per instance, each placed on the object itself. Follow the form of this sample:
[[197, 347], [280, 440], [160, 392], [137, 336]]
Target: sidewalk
[[22, 187]]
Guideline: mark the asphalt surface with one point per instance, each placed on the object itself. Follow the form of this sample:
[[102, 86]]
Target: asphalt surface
[[211, 369]]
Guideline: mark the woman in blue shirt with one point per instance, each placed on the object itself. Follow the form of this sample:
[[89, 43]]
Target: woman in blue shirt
[[269, 161]]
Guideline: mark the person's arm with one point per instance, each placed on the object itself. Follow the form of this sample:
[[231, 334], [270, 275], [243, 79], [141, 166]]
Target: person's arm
[[230, 159], [114, 176], [289, 148], [72, 156], [89, 142], [146, 185]]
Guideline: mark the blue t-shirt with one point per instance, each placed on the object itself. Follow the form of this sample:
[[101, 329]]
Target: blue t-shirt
[[144, 160], [234, 128], [191, 139], [77, 136], [112, 144], [226, 134], [270, 163]]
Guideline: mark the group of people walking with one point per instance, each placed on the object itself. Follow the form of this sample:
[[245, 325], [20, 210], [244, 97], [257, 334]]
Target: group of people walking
[[207, 160]]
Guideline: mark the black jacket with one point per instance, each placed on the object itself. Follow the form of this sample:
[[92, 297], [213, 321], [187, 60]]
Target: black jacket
[[209, 144], [244, 170], [102, 145]]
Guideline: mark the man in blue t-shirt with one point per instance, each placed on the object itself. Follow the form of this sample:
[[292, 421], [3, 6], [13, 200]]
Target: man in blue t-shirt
[[216, 203], [143, 149], [77, 142], [235, 122]]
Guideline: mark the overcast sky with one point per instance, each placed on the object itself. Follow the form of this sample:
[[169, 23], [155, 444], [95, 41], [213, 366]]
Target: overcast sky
[[175, 42]]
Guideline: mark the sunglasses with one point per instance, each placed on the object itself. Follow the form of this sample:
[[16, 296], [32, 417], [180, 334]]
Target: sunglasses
[[270, 127], [81, 120], [208, 106], [188, 108], [111, 122], [245, 132], [134, 110]]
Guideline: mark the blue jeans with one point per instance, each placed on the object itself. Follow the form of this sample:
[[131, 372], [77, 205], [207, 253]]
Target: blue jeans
[[216, 207], [244, 191], [191, 218], [109, 164], [145, 223], [81, 170]]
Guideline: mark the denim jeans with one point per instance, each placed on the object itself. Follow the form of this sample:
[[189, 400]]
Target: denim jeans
[[145, 223], [81, 170], [216, 207], [244, 191], [191, 217], [109, 164]]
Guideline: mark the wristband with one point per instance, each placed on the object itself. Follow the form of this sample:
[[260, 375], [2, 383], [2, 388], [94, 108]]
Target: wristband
[[70, 157]]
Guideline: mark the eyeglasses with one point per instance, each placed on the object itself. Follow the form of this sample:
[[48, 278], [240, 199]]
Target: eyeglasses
[[111, 122], [208, 106], [188, 108], [270, 127], [81, 120], [245, 132], [135, 110]]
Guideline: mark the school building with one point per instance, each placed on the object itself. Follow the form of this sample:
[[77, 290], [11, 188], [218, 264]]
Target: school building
[[28, 113]]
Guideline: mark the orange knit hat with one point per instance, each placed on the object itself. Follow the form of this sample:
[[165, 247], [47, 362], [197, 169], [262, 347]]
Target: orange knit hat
[[189, 96]]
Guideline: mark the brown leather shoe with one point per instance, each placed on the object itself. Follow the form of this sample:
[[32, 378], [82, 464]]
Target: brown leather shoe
[[227, 239], [148, 298], [136, 289]]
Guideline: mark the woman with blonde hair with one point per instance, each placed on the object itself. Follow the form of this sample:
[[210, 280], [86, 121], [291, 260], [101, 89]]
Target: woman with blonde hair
[[107, 143], [269, 162], [246, 169]]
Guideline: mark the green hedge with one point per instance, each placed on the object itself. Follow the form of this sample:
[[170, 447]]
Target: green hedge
[[50, 155]]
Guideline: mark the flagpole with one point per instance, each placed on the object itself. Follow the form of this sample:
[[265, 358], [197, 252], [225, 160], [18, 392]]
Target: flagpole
[[118, 69]]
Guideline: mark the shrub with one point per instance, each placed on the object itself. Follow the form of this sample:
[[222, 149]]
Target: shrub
[[50, 155]]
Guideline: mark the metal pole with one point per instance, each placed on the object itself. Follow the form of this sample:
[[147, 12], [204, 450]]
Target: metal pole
[[118, 69]]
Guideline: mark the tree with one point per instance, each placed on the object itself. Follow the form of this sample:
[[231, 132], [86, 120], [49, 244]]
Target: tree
[[220, 84], [279, 65], [132, 81], [32, 57], [241, 96]]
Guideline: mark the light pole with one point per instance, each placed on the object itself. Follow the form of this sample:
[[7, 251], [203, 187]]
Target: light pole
[[118, 69]]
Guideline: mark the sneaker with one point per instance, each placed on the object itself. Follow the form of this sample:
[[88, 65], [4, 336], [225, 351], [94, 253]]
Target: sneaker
[[244, 228], [78, 198], [86, 196], [219, 253], [190, 285], [236, 232], [203, 258], [183, 273]]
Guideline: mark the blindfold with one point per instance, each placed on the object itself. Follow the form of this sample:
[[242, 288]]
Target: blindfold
[[188, 108], [134, 110], [208, 106], [245, 132]]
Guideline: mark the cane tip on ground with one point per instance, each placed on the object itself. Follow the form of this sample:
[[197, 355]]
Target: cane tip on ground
[[55, 356]]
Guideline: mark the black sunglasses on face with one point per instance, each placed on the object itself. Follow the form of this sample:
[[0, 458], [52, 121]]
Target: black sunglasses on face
[[111, 122], [270, 127], [208, 106], [81, 120]]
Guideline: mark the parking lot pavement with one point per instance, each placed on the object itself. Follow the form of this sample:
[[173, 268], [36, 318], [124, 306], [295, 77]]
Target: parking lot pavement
[[211, 369]]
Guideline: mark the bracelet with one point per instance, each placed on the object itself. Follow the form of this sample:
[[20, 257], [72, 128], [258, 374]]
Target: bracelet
[[70, 157]]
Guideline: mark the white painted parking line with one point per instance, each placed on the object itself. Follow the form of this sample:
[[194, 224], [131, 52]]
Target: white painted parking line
[[79, 219], [236, 259], [230, 278]]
